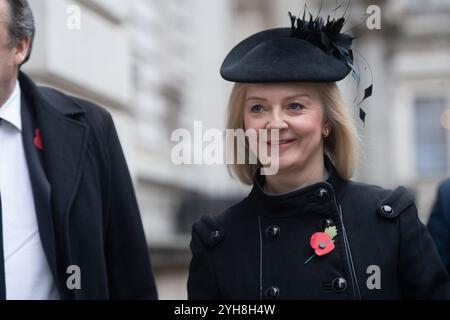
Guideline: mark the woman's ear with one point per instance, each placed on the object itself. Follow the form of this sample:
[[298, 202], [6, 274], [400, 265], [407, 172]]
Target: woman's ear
[[326, 131]]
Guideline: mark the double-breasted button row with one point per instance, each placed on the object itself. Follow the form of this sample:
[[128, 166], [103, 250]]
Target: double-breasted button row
[[338, 285]]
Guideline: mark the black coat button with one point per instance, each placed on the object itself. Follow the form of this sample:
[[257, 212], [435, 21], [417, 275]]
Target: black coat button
[[216, 236], [327, 223], [339, 285], [272, 293], [387, 210], [273, 232], [322, 194]]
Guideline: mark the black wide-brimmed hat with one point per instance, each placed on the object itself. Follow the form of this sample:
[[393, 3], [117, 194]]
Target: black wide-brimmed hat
[[309, 51]]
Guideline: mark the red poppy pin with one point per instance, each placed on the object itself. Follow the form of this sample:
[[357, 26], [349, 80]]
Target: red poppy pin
[[38, 140], [323, 242]]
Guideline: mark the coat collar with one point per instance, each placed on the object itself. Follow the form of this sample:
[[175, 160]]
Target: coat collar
[[319, 197], [44, 100]]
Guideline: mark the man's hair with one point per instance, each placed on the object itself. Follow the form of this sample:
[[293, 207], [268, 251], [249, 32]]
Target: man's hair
[[20, 23]]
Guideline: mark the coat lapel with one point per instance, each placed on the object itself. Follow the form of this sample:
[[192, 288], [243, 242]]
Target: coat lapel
[[64, 145], [40, 186], [64, 142]]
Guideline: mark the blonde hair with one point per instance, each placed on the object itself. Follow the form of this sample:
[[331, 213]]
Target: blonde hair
[[341, 146]]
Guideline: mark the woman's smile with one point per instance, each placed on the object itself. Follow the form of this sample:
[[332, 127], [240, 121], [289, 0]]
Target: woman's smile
[[282, 144]]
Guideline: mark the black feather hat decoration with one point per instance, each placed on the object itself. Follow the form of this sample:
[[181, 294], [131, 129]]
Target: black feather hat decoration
[[326, 36], [311, 50]]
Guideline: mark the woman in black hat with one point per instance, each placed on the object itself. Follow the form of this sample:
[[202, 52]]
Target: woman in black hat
[[308, 232]]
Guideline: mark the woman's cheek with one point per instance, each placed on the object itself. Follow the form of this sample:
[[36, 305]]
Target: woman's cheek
[[256, 124]]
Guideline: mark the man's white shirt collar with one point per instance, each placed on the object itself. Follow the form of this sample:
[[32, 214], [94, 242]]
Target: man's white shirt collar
[[10, 111]]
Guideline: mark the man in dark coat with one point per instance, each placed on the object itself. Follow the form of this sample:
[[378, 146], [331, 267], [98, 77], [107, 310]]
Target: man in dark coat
[[69, 215], [439, 223]]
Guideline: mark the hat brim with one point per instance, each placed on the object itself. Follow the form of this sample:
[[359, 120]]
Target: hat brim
[[274, 56]]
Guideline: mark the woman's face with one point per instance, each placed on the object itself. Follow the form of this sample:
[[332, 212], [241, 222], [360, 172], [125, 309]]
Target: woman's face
[[296, 110]]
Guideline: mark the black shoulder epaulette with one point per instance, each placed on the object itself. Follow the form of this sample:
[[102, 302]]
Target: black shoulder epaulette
[[209, 231], [395, 203]]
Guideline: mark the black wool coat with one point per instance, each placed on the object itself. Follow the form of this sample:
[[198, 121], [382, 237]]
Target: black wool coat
[[86, 207], [257, 249]]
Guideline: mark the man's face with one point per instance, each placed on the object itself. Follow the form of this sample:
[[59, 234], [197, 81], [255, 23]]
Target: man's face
[[8, 66]]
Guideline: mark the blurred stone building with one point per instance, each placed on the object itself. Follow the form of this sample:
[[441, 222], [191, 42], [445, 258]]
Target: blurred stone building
[[154, 65]]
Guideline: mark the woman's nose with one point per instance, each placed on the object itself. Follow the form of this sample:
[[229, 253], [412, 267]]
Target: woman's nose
[[276, 123]]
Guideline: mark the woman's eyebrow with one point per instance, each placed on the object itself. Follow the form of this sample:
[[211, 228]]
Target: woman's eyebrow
[[256, 98], [299, 95]]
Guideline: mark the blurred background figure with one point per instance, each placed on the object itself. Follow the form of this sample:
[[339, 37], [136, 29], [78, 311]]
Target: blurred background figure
[[155, 66], [439, 223]]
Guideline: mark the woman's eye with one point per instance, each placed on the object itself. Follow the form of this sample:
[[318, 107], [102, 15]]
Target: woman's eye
[[257, 108], [296, 106]]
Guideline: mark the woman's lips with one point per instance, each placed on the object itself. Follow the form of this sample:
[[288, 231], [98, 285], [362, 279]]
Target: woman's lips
[[283, 144]]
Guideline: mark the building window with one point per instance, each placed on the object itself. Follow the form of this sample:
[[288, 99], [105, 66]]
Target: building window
[[172, 97], [431, 138]]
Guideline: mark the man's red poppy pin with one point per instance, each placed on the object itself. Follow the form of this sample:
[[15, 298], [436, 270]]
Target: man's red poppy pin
[[323, 242], [38, 140]]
